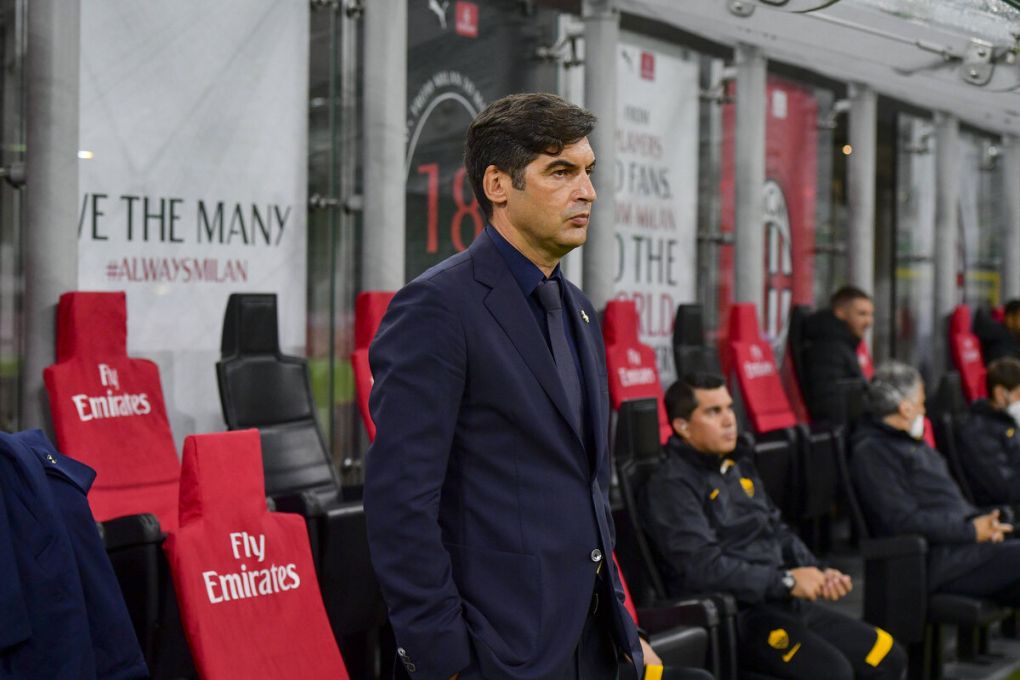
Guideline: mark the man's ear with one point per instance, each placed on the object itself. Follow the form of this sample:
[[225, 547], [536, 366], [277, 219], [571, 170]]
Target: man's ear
[[680, 426], [496, 184], [999, 396]]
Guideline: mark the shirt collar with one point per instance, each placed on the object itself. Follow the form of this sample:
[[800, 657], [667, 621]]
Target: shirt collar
[[524, 271]]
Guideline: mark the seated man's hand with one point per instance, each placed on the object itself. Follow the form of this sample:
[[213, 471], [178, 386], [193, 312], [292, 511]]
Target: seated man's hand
[[651, 658], [989, 528], [837, 585], [808, 583]]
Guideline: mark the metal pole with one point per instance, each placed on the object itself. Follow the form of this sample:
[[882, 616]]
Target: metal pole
[[947, 191], [861, 186], [1011, 237], [750, 175], [383, 233], [601, 43], [51, 192]]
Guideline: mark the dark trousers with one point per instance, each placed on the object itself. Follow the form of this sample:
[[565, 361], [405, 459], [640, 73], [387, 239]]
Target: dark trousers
[[996, 579], [805, 641]]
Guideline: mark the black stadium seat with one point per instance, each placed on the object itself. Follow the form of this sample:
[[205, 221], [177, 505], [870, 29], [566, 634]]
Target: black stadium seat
[[690, 351], [262, 388]]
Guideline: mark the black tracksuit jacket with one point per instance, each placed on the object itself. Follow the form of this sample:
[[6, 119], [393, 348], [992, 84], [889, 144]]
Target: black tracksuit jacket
[[905, 488], [714, 528], [988, 442], [830, 355]]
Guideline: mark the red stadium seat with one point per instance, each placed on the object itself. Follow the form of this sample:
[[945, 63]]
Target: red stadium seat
[[369, 308], [757, 375], [108, 410], [965, 348], [633, 373], [244, 576]]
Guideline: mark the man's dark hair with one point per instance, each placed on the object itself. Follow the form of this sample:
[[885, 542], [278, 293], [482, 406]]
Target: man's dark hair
[[512, 131], [845, 295], [1005, 372], [1012, 307], [680, 399]]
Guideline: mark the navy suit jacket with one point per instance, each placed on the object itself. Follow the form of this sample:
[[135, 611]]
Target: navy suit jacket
[[483, 509]]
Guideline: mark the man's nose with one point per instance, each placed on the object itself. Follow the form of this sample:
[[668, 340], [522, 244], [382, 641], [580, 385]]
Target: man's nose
[[586, 189]]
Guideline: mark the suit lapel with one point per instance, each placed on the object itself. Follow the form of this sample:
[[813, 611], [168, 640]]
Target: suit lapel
[[510, 310], [585, 336]]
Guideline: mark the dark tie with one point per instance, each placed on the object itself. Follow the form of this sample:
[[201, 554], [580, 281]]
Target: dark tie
[[549, 297]]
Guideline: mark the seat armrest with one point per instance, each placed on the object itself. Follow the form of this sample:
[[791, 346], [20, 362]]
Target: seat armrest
[[687, 612], [124, 532], [893, 547]]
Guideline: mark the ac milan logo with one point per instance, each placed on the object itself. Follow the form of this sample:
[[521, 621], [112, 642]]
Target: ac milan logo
[[778, 265], [756, 353]]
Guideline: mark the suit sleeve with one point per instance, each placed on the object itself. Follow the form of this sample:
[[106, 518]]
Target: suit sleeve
[[891, 504], [827, 363], [684, 537], [15, 626], [418, 362]]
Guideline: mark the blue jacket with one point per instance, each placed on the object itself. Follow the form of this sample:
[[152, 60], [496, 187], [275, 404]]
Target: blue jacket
[[486, 519], [62, 615]]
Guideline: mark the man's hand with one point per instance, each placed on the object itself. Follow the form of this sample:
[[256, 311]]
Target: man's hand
[[651, 658], [837, 585], [989, 528], [808, 583]]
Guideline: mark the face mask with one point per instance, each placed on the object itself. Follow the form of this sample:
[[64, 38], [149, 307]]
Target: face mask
[[1014, 410], [917, 426]]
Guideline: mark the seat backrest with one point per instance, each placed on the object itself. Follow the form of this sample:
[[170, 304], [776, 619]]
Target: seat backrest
[[244, 577], [108, 410], [369, 308], [965, 349], [263, 388], [691, 353], [791, 371], [757, 376], [636, 455], [633, 372]]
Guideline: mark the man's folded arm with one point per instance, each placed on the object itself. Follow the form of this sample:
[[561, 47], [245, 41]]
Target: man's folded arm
[[418, 361]]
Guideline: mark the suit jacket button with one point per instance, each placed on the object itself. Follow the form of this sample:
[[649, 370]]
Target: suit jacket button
[[596, 555]]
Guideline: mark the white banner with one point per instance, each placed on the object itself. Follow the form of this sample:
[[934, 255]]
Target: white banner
[[656, 186], [194, 124]]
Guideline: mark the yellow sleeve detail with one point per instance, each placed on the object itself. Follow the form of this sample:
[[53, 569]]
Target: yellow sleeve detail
[[882, 646], [653, 672]]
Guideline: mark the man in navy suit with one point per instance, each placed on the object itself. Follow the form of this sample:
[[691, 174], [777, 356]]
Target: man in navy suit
[[486, 489]]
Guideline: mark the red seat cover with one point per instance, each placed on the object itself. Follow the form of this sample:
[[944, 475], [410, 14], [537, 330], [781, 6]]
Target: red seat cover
[[754, 366], [864, 360], [633, 373], [108, 410], [248, 594], [628, 601], [965, 349], [369, 308]]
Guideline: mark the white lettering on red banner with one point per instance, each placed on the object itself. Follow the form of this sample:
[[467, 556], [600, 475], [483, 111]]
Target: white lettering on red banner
[[758, 369], [636, 376], [247, 583], [111, 404]]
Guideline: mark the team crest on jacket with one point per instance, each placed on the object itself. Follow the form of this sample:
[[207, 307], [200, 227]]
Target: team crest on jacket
[[748, 485], [778, 639]]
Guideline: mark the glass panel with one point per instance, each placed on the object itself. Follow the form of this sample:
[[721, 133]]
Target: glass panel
[[332, 237], [12, 88], [982, 219], [915, 243]]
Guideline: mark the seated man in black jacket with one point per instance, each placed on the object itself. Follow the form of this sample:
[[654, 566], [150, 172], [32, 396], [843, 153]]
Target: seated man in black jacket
[[714, 528], [831, 337], [989, 440], [999, 340], [905, 488]]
